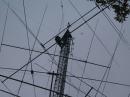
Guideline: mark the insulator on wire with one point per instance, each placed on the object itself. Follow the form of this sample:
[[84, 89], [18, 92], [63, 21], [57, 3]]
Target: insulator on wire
[[32, 72]]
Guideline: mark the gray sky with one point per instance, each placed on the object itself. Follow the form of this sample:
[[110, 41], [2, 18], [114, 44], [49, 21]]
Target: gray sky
[[55, 20]]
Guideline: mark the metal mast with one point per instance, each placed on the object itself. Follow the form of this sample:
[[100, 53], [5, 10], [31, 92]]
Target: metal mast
[[64, 44]]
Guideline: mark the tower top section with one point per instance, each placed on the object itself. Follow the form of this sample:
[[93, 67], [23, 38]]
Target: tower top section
[[63, 41]]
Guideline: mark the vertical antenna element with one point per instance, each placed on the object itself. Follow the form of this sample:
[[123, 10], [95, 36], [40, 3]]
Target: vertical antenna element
[[64, 44]]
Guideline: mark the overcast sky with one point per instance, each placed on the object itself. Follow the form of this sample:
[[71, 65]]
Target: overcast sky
[[57, 15]]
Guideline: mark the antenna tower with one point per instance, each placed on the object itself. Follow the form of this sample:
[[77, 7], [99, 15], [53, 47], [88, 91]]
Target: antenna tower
[[64, 43]]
